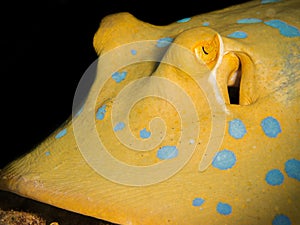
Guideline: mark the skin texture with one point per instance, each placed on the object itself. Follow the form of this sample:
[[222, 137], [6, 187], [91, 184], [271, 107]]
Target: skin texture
[[215, 162]]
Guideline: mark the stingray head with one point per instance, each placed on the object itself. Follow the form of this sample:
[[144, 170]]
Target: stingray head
[[178, 118]]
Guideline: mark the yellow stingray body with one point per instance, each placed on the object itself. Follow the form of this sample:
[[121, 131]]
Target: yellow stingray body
[[159, 139]]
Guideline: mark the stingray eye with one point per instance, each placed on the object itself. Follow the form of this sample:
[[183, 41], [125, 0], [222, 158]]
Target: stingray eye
[[207, 50]]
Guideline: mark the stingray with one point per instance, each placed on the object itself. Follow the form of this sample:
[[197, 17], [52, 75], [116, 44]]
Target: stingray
[[195, 122]]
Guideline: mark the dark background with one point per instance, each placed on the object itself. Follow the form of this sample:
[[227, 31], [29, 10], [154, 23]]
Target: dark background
[[46, 46]]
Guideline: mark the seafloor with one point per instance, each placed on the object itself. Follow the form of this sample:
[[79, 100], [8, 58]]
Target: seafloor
[[17, 210]]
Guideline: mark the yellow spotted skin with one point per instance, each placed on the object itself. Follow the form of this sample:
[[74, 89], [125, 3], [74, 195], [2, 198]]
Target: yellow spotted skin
[[193, 156]]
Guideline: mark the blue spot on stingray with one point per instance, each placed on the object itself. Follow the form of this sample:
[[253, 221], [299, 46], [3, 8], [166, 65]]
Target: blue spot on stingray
[[224, 160], [274, 177], [47, 153], [205, 24], [164, 42], [184, 20], [237, 129], [224, 208], [101, 112], [238, 34], [269, 1], [133, 51], [281, 220], [249, 20], [119, 76], [61, 133], [292, 168], [167, 152], [270, 126], [284, 28], [119, 126], [144, 133], [198, 201]]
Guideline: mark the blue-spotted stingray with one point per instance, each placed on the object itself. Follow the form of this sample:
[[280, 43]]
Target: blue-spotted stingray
[[195, 122]]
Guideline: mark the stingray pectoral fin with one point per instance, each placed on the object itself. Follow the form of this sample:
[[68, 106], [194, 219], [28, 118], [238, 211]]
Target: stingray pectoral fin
[[61, 177], [57, 174]]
